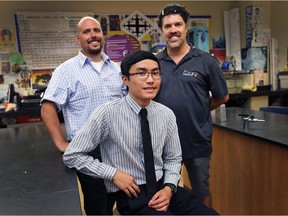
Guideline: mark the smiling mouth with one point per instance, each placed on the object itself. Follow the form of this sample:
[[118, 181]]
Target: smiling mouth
[[150, 88], [95, 41]]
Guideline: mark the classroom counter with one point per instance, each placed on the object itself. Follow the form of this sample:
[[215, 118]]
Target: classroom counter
[[273, 129], [248, 166], [33, 177], [24, 115]]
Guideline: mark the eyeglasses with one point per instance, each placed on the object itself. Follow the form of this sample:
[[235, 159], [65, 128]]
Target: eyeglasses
[[145, 75]]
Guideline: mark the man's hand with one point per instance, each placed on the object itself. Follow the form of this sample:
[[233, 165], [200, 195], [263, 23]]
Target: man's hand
[[126, 183], [161, 200], [62, 146]]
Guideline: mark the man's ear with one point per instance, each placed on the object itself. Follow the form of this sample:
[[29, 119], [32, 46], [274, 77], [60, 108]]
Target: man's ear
[[125, 79], [186, 26], [77, 39]]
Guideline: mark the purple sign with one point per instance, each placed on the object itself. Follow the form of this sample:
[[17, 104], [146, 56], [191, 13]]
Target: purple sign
[[117, 46]]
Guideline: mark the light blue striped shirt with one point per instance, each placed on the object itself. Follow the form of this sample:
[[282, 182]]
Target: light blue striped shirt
[[115, 126], [78, 88]]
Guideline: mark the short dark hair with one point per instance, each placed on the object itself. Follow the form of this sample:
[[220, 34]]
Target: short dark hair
[[173, 9], [134, 57]]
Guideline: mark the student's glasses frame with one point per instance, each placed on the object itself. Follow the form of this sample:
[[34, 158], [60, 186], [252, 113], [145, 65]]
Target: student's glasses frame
[[145, 75]]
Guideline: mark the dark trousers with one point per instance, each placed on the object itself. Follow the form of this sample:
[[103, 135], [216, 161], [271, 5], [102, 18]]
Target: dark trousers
[[182, 202], [96, 199]]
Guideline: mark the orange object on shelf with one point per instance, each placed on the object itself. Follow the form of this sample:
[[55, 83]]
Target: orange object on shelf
[[5, 103]]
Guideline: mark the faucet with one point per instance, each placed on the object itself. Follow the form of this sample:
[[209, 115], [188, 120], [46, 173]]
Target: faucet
[[248, 118]]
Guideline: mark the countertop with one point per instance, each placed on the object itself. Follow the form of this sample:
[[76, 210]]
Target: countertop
[[20, 112], [274, 129], [33, 177]]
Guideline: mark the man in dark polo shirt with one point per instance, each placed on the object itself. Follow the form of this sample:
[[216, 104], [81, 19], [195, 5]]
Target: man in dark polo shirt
[[189, 75]]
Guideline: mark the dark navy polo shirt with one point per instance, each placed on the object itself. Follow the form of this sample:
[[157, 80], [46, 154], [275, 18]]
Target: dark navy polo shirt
[[185, 89]]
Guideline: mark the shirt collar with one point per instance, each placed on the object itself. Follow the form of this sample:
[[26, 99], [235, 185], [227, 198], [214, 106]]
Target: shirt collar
[[192, 53], [135, 106], [84, 59]]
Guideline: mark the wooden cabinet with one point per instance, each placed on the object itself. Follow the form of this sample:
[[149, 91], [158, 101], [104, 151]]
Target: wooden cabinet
[[248, 175]]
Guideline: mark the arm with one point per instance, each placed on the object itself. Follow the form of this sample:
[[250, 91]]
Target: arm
[[217, 86], [51, 121], [172, 157], [94, 132], [214, 103]]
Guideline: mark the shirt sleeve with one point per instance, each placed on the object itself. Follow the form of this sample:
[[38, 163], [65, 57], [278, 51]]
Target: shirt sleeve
[[57, 90], [218, 84], [172, 154], [93, 132]]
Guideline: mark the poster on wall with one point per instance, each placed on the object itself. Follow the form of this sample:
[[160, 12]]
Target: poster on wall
[[117, 46], [254, 26], [5, 65], [137, 24], [198, 32], [7, 39], [6, 75], [232, 37], [40, 78], [254, 58], [5, 62], [199, 37], [47, 39]]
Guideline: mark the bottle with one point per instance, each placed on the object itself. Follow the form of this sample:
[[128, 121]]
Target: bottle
[[223, 116], [221, 113]]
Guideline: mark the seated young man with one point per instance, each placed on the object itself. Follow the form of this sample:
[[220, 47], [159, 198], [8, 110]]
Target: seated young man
[[118, 127]]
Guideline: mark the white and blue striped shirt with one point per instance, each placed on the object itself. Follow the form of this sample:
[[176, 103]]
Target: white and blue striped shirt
[[115, 126], [78, 88]]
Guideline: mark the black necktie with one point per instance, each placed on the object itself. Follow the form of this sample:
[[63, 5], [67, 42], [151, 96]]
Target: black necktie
[[151, 183]]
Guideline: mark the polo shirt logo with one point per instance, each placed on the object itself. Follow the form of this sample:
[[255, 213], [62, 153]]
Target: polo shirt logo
[[189, 73]]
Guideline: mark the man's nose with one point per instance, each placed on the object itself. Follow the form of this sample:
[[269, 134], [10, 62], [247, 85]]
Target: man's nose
[[173, 29], [93, 33], [150, 78]]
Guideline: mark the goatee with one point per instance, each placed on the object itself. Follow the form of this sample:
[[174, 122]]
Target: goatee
[[94, 52]]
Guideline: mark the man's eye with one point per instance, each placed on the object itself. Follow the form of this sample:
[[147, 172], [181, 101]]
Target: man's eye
[[167, 25], [141, 73], [178, 24]]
